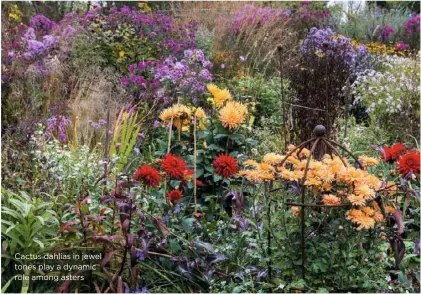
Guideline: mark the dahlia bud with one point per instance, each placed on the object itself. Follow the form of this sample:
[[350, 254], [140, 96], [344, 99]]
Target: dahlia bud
[[392, 173], [366, 259], [384, 238], [341, 228]]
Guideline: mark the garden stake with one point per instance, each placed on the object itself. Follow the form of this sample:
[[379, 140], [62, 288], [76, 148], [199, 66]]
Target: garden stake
[[194, 165], [319, 132]]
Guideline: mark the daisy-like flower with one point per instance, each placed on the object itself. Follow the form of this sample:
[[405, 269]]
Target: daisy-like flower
[[357, 200], [148, 175], [373, 182], [409, 162], [175, 195], [353, 214], [250, 162], [330, 199], [365, 191], [368, 211], [325, 175], [225, 165], [272, 158], [233, 114], [173, 166], [368, 161], [365, 222], [378, 216]]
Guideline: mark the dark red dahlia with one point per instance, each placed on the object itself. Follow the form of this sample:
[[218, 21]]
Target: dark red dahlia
[[392, 153], [175, 195], [225, 165], [409, 162], [148, 175], [173, 166]]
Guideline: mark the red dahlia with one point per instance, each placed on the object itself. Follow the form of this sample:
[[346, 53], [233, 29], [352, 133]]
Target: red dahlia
[[174, 166], [392, 153], [175, 195], [225, 165], [148, 175], [409, 162]]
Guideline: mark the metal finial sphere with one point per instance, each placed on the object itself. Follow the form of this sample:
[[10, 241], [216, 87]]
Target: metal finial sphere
[[320, 130]]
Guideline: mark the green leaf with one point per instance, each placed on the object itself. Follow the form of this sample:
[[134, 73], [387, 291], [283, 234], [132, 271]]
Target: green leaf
[[187, 224]]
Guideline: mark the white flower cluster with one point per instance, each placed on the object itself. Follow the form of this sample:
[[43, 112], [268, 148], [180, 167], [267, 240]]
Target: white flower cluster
[[65, 165], [391, 90]]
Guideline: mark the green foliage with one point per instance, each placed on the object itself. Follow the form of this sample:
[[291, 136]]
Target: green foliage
[[28, 226], [125, 134], [265, 94], [365, 25]]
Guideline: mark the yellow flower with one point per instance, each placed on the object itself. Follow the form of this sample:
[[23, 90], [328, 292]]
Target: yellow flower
[[378, 216], [365, 222], [233, 114], [390, 209], [368, 161], [272, 158], [213, 89], [179, 113], [201, 116], [368, 211], [220, 97], [353, 214], [250, 162], [331, 200], [357, 200], [121, 53], [365, 191]]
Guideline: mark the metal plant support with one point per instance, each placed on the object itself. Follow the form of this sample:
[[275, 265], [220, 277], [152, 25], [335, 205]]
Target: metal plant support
[[315, 142]]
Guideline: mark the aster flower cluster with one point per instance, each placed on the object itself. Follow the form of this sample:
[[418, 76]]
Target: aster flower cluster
[[159, 29], [57, 124], [35, 48], [327, 43], [188, 76], [386, 32], [412, 26], [42, 24], [390, 91]]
